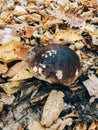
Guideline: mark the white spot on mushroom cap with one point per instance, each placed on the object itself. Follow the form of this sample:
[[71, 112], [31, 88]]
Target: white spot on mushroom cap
[[42, 65], [49, 53], [44, 55], [40, 70], [35, 68], [77, 72], [59, 74]]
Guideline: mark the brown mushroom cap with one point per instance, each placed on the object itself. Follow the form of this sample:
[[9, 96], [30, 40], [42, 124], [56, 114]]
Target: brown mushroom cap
[[56, 63]]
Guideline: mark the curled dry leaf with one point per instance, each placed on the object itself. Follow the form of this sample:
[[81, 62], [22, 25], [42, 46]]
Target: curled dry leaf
[[49, 23], [90, 3], [94, 125], [53, 107], [92, 86], [65, 122], [12, 71], [68, 35], [10, 87], [13, 50], [80, 126]]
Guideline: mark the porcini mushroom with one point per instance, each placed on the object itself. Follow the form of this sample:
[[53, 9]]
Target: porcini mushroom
[[56, 63]]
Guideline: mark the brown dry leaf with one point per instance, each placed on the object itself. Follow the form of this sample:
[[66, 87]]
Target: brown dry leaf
[[13, 50], [1, 106], [7, 99], [20, 127], [89, 3], [92, 86], [28, 32], [52, 108], [35, 125], [68, 35], [3, 68], [10, 87], [94, 125], [80, 126], [21, 75], [12, 71], [49, 23]]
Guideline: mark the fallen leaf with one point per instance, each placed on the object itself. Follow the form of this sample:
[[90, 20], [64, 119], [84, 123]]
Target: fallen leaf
[[49, 23], [52, 108], [80, 126], [92, 86], [21, 75], [19, 10], [60, 124], [65, 122], [94, 125], [12, 71], [7, 35], [20, 127], [89, 3], [1, 106], [4, 15], [35, 125], [13, 50], [28, 32], [10, 87], [33, 18], [7, 99], [3, 68], [68, 35]]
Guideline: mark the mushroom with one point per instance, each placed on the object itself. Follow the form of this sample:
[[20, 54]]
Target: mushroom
[[56, 63]]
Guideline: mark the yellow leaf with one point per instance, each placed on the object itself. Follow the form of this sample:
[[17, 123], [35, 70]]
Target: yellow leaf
[[68, 35], [7, 57], [49, 23], [93, 32], [5, 14], [12, 71], [21, 75], [10, 87], [13, 50]]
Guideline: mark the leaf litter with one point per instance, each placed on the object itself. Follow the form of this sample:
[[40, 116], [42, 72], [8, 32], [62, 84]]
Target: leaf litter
[[26, 102]]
